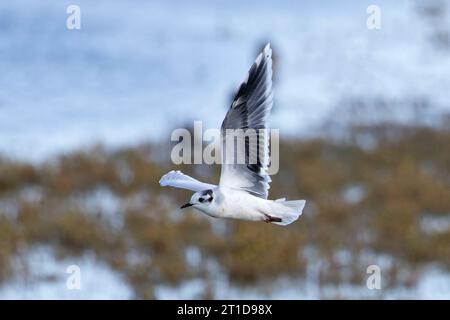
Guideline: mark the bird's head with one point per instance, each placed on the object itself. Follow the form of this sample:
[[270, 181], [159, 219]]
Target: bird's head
[[200, 199]]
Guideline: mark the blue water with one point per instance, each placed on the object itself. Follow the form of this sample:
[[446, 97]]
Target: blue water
[[138, 69]]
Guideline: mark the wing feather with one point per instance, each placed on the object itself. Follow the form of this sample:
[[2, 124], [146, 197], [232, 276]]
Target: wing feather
[[178, 179], [250, 110]]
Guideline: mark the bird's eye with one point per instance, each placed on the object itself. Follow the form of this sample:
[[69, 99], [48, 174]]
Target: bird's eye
[[201, 200]]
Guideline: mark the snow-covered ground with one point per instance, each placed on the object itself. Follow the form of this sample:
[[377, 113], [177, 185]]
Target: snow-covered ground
[[46, 278], [137, 69]]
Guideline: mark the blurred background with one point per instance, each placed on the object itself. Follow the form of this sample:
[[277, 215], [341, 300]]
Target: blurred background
[[85, 123]]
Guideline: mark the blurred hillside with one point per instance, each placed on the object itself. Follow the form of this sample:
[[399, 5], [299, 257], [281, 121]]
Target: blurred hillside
[[388, 205]]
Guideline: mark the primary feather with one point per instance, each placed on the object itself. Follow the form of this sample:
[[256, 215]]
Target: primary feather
[[178, 179], [250, 110]]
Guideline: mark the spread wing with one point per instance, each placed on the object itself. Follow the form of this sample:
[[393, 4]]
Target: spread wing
[[249, 110], [178, 179]]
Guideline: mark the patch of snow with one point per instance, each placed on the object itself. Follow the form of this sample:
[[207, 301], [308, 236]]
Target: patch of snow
[[44, 277], [137, 69]]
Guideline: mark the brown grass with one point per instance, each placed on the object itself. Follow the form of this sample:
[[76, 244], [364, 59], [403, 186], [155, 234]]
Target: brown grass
[[405, 176]]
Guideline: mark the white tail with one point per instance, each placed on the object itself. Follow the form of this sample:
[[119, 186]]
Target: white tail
[[287, 211]]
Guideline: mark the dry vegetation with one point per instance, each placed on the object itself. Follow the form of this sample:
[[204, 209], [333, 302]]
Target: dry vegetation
[[364, 202]]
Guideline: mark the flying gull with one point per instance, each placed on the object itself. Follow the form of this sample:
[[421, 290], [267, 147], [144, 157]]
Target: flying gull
[[244, 186]]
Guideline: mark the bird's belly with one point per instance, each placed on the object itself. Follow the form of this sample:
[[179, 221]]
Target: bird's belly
[[242, 206]]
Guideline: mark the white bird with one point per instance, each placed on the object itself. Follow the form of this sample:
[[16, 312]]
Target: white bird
[[243, 188]]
